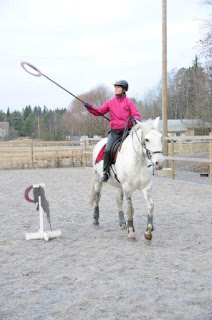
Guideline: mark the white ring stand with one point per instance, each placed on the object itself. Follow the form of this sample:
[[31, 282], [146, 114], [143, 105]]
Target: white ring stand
[[41, 234]]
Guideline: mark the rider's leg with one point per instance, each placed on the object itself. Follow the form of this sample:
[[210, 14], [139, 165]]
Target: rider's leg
[[112, 137]]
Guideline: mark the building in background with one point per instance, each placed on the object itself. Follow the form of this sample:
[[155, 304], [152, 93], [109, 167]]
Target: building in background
[[186, 127], [4, 130]]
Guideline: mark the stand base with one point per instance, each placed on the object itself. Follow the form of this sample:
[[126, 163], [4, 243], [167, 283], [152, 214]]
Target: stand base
[[43, 235]]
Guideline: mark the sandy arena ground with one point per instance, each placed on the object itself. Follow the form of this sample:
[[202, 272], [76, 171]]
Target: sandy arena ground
[[95, 273]]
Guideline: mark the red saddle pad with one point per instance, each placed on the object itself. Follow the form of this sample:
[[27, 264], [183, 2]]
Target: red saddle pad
[[101, 155]]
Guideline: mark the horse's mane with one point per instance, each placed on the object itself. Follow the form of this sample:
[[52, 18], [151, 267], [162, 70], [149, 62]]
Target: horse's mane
[[145, 126]]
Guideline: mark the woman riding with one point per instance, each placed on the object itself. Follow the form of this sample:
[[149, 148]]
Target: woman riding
[[120, 109]]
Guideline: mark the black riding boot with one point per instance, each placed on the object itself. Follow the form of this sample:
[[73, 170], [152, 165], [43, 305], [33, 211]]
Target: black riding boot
[[113, 136], [105, 177], [106, 166]]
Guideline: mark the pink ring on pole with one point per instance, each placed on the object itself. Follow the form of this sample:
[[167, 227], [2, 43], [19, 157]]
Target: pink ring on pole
[[38, 74], [26, 194]]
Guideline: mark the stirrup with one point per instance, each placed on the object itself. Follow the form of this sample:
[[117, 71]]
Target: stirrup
[[105, 177]]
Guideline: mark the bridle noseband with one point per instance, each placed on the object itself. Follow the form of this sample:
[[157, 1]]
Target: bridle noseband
[[149, 153]]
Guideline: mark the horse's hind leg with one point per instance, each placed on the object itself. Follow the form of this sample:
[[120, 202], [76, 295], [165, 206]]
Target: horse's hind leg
[[150, 207], [119, 200], [96, 195]]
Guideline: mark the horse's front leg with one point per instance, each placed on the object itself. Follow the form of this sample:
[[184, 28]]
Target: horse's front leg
[[119, 200], [96, 195], [130, 212], [150, 207]]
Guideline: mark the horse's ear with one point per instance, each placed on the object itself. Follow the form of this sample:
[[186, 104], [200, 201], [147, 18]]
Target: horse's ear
[[156, 123]]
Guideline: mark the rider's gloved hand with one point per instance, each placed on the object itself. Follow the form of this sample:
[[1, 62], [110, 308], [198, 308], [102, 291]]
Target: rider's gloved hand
[[87, 105], [135, 121]]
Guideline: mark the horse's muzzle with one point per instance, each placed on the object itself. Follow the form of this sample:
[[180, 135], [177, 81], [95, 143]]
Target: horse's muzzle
[[158, 161]]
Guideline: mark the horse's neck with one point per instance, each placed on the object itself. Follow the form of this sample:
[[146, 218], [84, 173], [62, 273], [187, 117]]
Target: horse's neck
[[133, 146]]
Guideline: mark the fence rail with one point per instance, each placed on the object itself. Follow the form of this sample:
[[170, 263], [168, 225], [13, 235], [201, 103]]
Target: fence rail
[[173, 158], [32, 153]]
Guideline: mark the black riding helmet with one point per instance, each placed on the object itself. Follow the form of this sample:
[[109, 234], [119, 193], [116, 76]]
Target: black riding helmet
[[122, 83]]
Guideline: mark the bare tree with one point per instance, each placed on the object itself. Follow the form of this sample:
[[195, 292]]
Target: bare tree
[[80, 122], [152, 103], [206, 42], [189, 94], [208, 2]]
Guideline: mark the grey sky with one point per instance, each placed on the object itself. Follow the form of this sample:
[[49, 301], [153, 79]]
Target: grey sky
[[81, 44]]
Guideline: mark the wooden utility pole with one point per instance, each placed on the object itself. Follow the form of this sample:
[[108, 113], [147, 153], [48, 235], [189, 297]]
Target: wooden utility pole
[[210, 150], [38, 125], [164, 77]]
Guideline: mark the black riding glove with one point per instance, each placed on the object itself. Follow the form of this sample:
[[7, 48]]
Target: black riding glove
[[87, 105], [135, 121]]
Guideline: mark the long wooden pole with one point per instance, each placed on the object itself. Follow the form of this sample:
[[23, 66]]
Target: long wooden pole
[[38, 125], [164, 73], [210, 150], [173, 162]]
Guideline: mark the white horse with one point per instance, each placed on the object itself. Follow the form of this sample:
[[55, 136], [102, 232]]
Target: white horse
[[139, 154]]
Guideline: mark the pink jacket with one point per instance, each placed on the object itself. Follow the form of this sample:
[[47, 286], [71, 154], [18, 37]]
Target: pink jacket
[[120, 109]]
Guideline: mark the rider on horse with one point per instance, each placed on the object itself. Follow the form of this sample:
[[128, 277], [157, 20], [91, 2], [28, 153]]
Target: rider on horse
[[121, 109]]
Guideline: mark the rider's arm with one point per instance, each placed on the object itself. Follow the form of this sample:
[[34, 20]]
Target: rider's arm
[[97, 111], [134, 111]]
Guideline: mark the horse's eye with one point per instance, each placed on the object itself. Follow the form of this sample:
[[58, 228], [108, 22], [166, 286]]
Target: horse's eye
[[147, 140]]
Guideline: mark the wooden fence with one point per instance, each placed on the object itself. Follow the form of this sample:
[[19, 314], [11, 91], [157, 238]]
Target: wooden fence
[[33, 154], [191, 141]]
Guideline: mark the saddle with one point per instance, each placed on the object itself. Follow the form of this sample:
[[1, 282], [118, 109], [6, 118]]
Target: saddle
[[113, 152]]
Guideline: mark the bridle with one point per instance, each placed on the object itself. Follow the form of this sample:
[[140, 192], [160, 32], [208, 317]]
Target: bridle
[[149, 153]]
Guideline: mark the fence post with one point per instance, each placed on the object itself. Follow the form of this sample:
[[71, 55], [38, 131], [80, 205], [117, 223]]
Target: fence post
[[210, 150], [180, 146], [32, 155], [173, 162]]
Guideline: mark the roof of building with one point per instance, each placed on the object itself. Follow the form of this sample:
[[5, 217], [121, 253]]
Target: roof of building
[[174, 126], [196, 123]]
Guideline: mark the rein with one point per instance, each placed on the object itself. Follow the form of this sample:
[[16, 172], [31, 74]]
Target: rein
[[148, 153], [125, 134]]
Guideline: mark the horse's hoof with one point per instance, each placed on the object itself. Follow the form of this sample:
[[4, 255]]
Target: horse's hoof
[[123, 226], [148, 236], [95, 222], [131, 236]]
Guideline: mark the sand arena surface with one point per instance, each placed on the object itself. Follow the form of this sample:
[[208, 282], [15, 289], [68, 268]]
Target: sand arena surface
[[96, 272]]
